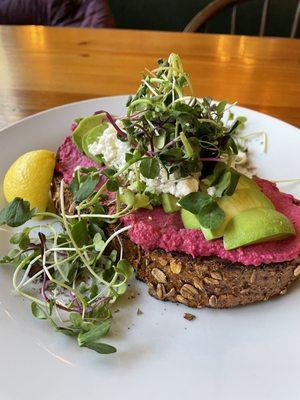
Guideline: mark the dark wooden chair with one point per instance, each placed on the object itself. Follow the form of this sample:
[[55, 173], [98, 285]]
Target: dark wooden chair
[[200, 20]]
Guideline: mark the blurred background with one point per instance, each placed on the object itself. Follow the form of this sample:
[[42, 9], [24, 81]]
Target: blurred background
[[247, 17]]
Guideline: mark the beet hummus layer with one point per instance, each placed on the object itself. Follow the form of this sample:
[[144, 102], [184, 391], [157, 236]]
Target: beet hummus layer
[[154, 229], [69, 158]]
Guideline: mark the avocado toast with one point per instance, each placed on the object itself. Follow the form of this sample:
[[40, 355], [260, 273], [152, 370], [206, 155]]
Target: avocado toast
[[199, 232]]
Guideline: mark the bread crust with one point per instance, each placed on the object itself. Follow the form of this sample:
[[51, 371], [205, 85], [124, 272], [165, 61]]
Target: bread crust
[[202, 281]]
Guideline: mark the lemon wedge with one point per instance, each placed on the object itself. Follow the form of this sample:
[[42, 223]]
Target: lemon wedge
[[29, 177]]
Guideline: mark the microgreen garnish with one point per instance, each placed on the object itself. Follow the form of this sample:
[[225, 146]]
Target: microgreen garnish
[[168, 131], [16, 213]]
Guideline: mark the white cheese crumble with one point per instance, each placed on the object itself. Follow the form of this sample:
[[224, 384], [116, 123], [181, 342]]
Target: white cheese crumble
[[113, 151], [176, 187], [110, 147]]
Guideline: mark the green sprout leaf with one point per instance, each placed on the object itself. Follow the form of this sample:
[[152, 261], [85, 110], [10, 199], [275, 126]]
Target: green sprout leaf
[[124, 267], [112, 185], [16, 213], [76, 319], [159, 141], [84, 126], [109, 172], [101, 348], [221, 107], [96, 333], [149, 167], [86, 188], [80, 233], [211, 216], [223, 183], [195, 201], [91, 137], [128, 197], [38, 311], [21, 239], [98, 242]]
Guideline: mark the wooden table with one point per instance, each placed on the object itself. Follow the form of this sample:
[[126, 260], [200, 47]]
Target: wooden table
[[44, 67]]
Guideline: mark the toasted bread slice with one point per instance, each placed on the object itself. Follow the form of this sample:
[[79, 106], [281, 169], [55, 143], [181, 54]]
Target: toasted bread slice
[[201, 282]]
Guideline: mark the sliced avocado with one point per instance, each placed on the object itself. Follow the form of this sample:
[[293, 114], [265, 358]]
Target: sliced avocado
[[189, 220], [246, 196], [257, 225], [241, 200], [247, 183], [169, 203]]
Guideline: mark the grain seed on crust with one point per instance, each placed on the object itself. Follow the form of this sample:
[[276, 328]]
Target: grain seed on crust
[[253, 277], [175, 267], [216, 275], [213, 301], [211, 281], [182, 300], [189, 292], [163, 262], [170, 293], [198, 284], [159, 275], [297, 271], [160, 291]]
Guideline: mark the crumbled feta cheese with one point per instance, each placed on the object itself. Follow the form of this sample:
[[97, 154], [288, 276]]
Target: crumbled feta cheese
[[110, 147], [211, 190], [113, 151], [176, 187]]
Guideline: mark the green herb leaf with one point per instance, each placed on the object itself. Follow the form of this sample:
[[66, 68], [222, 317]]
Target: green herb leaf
[[221, 107], [112, 185], [16, 213], [38, 311], [101, 348], [159, 141], [98, 242], [80, 233], [235, 176], [189, 152], [66, 331], [21, 238], [211, 216], [76, 319], [149, 167], [84, 126], [195, 201], [91, 137], [109, 172], [124, 267], [223, 183], [141, 201], [86, 188], [96, 333]]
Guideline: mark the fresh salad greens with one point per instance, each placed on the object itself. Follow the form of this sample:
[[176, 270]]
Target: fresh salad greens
[[72, 269], [171, 130]]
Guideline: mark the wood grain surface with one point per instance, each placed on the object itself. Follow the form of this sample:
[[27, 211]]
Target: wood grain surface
[[42, 67]]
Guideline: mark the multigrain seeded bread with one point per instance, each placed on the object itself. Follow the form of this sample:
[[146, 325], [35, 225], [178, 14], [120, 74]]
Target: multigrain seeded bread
[[201, 282]]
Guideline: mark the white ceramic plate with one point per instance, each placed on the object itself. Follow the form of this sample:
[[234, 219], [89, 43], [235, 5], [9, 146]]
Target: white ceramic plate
[[244, 353]]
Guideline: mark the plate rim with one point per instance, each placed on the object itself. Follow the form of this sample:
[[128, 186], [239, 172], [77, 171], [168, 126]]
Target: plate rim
[[74, 103]]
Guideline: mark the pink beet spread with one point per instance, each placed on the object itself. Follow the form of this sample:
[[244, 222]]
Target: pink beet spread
[[154, 229], [68, 158]]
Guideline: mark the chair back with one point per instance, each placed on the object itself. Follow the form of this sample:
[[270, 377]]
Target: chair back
[[201, 19]]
